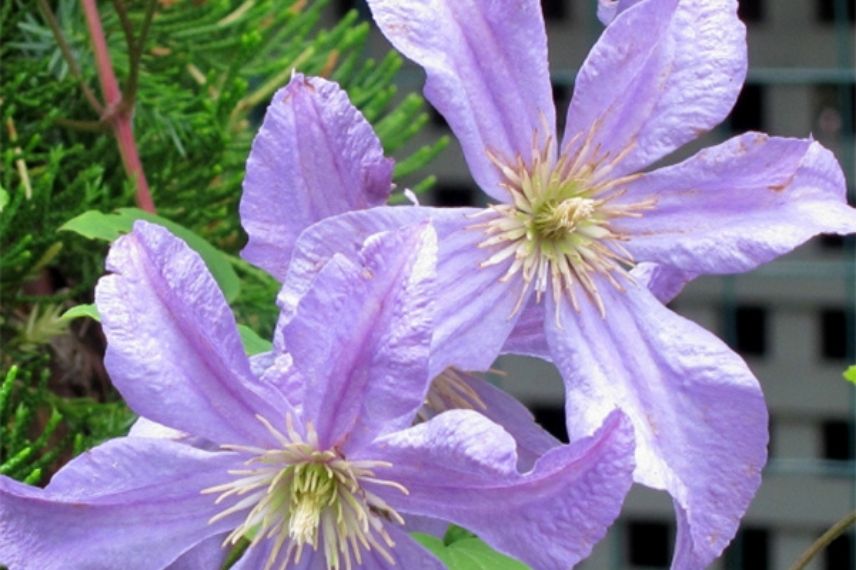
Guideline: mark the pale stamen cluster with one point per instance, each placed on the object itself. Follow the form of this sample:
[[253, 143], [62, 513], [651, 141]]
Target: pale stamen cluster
[[556, 228], [450, 391], [299, 495]]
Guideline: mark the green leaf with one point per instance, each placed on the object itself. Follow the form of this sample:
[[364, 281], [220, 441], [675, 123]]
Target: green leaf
[[78, 311], [4, 198], [850, 374], [108, 227], [253, 343], [97, 225], [468, 553]]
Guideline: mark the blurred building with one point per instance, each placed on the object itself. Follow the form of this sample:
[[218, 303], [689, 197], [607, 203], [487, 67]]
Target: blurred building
[[793, 320]]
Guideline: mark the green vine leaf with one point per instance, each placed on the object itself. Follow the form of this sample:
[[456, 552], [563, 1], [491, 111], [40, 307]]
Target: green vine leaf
[[107, 227], [253, 343], [79, 311], [468, 553], [850, 374]]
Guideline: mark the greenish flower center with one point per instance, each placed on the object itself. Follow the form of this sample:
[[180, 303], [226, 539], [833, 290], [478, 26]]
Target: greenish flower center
[[557, 228], [298, 496]]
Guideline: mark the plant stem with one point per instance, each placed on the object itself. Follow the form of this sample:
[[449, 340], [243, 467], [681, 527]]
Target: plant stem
[[827, 537], [73, 68], [120, 118]]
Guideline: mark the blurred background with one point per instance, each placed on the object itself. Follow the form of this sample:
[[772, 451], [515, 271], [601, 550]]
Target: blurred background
[[794, 320]]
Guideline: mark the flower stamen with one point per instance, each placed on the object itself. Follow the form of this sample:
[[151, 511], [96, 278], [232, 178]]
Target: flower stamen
[[299, 495], [557, 228]]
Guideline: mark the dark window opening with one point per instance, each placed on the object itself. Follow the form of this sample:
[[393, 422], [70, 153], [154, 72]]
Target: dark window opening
[[437, 119], [750, 330], [830, 101], [839, 553], [750, 549], [555, 10], [837, 440], [453, 195], [345, 6], [751, 11], [748, 112], [833, 333], [648, 543], [826, 10], [552, 419], [562, 97]]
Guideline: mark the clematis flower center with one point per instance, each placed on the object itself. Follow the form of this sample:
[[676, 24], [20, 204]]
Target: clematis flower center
[[557, 227], [299, 495]]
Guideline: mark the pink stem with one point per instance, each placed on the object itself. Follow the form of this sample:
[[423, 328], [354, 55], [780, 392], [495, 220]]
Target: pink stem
[[120, 118]]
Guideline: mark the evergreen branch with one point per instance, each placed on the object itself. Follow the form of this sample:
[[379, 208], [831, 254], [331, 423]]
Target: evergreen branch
[[73, 68]]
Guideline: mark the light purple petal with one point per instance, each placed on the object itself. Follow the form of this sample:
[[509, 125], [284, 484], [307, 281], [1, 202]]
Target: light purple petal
[[314, 156], [662, 73], [461, 467], [487, 73], [504, 409], [130, 503], [607, 10], [737, 205], [173, 350], [361, 338], [473, 307], [698, 412], [527, 338], [209, 553], [664, 281]]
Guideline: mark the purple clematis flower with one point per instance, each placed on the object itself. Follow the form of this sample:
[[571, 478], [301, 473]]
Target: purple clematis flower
[[584, 246], [313, 459]]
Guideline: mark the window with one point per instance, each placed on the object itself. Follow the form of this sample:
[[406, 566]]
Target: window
[[749, 333], [837, 438], [345, 6], [748, 112], [552, 419], [833, 333], [829, 101], [562, 97], [648, 543], [453, 195], [826, 10], [555, 10], [750, 549], [751, 11], [839, 553]]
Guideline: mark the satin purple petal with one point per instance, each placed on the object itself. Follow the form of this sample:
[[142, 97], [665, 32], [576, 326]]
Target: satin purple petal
[[361, 338], [461, 467], [527, 338], [314, 156], [209, 553], [130, 503], [172, 344], [664, 281], [737, 205], [662, 73], [698, 412], [473, 308], [505, 410], [487, 73]]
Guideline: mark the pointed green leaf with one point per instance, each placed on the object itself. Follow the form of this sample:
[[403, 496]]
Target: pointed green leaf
[[84, 310], [108, 227], [850, 374], [253, 343], [468, 554]]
